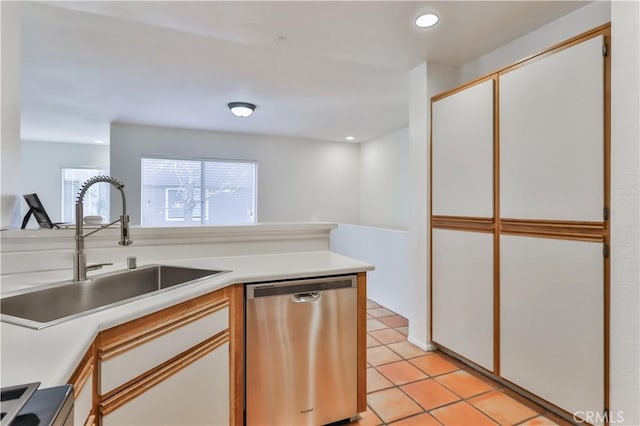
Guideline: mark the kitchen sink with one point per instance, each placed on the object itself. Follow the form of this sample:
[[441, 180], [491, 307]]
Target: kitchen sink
[[68, 300]]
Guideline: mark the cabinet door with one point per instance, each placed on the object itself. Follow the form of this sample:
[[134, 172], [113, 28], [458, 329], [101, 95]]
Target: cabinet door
[[462, 291], [552, 136], [462, 150], [551, 316], [197, 394], [144, 351], [83, 402]]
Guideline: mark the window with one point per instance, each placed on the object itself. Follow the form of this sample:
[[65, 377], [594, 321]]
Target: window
[[197, 192], [96, 200]]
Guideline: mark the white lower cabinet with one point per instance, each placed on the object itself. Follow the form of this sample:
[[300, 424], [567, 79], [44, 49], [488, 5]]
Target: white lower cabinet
[[551, 320], [197, 394], [463, 294], [83, 402]]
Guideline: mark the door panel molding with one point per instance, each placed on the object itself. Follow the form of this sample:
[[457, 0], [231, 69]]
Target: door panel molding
[[141, 384]]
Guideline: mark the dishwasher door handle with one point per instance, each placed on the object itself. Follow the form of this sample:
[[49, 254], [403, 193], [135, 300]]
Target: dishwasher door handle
[[306, 297]]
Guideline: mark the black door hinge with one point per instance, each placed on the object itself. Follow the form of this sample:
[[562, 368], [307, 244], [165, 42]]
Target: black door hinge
[[605, 49], [605, 251], [605, 213]]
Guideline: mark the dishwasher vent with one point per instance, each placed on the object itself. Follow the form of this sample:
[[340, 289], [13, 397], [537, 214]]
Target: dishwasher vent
[[275, 290]]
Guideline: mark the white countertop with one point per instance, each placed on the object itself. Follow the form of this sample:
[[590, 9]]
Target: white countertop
[[51, 354]]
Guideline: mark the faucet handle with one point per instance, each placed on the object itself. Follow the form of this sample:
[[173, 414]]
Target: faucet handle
[[96, 266], [132, 262]]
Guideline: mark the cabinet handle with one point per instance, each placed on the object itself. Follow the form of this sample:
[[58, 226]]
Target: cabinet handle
[[305, 297]]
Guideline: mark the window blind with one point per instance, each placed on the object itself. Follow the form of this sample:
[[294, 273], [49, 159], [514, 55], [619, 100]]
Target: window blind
[[198, 192]]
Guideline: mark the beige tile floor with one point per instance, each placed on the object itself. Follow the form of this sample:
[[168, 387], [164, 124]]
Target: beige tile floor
[[407, 386]]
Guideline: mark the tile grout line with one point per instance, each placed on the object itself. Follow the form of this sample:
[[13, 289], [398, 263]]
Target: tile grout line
[[493, 386]]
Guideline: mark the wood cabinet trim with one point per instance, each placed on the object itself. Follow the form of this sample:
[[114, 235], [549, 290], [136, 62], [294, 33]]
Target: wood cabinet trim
[[236, 356], [362, 343], [83, 371], [601, 30], [122, 338], [464, 223], [475, 82], [497, 225], [566, 230], [143, 383], [91, 419], [607, 227]]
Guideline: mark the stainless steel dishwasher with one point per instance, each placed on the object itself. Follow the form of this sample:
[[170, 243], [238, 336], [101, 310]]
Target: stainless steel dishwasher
[[301, 351]]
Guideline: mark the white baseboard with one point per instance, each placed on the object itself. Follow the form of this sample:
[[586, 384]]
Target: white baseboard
[[422, 345]]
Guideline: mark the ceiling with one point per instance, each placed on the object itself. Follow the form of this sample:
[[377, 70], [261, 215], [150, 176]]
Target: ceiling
[[319, 70]]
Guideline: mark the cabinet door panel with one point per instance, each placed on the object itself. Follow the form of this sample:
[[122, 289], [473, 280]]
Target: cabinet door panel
[[130, 364], [83, 402], [195, 395], [552, 136], [463, 294], [551, 316], [462, 149]]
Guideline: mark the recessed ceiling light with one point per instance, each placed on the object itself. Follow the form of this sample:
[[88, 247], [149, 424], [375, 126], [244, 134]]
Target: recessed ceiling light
[[241, 109], [98, 141], [349, 138], [427, 20]]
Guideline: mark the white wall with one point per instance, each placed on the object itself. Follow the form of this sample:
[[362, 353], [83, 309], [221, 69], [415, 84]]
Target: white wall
[[298, 179], [625, 215], [388, 250], [384, 181], [41, 168], [590, 16], [10, 94]]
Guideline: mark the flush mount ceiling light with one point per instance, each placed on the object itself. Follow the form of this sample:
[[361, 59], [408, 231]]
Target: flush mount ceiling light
[[349, 138], [427, 20], [241, 109]]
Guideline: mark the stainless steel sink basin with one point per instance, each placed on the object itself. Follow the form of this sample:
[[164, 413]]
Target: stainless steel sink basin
[[64, 301]]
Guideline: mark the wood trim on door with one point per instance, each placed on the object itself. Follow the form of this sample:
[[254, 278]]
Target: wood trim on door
[[122, 338], [83, 371], [558, 229], [606, 31], [461, 223], [141, 384], [91, 419], [236, 355], [497, 225], [361, 310]]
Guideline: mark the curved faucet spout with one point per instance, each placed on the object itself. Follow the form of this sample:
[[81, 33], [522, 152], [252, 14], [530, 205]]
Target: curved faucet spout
[[79, 257]]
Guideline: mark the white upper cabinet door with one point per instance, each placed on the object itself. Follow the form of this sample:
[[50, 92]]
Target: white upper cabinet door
[[462, 143], [552, 136], [551, 319], [463, 294]]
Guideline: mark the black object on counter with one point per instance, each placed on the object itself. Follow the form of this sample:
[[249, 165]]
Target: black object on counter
[[47, 407]]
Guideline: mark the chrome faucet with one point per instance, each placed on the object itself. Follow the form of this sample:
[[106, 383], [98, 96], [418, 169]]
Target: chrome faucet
[[79, 256]]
